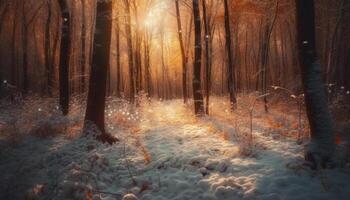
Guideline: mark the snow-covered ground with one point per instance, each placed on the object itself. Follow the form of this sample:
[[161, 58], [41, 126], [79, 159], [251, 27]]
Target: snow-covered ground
[[166, 153]]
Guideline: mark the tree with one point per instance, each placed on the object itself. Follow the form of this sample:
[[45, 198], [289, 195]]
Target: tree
[[268, 28], [230, 66], [95, 109], [130, 50], [14, 67], [119, 75], [196, 82], [209, 29], [27, 20], [335, 40], [65, 54], [49, 58], [137, 51], [4, 6], [147, 44], [321, 147], [184, 58], [83, 46]]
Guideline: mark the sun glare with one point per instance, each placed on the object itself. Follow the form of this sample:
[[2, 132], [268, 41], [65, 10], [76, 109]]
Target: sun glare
[[155, 14]]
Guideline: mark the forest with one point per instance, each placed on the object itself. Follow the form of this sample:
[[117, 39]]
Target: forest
[[174, 99]]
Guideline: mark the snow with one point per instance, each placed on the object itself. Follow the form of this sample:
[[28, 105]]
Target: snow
[[167, 153]]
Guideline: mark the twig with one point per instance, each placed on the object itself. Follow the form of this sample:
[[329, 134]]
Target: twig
[[251, 112], [103, 192], [299, 100]]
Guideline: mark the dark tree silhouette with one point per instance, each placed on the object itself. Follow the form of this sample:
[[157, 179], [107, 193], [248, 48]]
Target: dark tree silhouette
[[27, 20], [95, 110], [65, 54], [184, 58], [268, 28], [14, 66], [3, 13], [147, 60], [130, 51], [230, 66], [207, 55], [83, 47], [48, 55], [321, 147], [119, 75], [196, 82]]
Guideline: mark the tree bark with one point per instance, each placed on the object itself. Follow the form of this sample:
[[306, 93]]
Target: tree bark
[[26, 22], [25, 64], [3, 15], [266, 52], [147, 60], [320, 150], [14, 67], [119, 75], [230, 66], [196, 82], [207, 56], [184, 58], [83, 48], [65, 54], [130, 51], [48, 59], [95, 109]]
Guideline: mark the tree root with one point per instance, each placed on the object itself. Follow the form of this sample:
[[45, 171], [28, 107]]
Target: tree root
[[107, 138], [315, 161]]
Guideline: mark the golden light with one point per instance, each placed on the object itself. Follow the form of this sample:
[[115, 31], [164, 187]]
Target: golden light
[[155, 15]]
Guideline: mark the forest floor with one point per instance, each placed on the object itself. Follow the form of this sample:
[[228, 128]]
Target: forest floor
[[164, 153]]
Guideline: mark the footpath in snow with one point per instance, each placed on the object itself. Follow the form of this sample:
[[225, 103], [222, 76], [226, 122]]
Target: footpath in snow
[[165, 154]]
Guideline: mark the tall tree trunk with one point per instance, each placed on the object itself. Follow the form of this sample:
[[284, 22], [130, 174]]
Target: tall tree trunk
[[207, 55], [25, 65], [147, 61], [65, 54], [334, 40], [230, 67], [3, 15], [119, 75], [48, 59], [14, 66], [164, 80], [184, 58], [26, 22], [321, 147], [138, 42], [196, 82], [95, 109], [83, 48], [130, 50], [265, 53]]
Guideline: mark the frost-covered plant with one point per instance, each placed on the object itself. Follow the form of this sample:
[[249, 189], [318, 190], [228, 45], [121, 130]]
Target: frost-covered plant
[[299, 98], [339, 101], [10, 93]]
